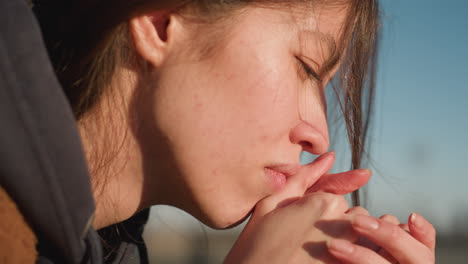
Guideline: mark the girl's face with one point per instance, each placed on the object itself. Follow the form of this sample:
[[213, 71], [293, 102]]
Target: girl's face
[[234, 120]]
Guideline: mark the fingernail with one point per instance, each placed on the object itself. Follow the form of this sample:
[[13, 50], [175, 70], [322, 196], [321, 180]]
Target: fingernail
[[365, 222], [415, 219], [340, 246], [366, 171], [327, 155]]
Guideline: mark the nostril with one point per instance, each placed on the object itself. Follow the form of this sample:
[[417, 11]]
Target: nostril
[[310, 138], [305, 144]]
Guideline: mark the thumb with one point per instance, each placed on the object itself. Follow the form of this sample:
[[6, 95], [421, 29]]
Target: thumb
[[341, 183], [296, 185]]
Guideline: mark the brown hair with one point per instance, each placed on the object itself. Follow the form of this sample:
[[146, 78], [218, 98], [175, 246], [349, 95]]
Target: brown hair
[[88, 40]]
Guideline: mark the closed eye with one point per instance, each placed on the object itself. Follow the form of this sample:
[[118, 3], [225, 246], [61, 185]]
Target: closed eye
[[308, 70]]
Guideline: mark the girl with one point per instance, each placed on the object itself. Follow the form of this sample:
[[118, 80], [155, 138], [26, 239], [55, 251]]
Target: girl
[[206, 106]]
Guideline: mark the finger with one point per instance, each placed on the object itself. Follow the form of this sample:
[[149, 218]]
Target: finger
[[401, 245], [353, 254], [296, 185], [354, 237], [390, 219], [384, 254], [363, 241], [342, 183], [422, 230], [357, 210]]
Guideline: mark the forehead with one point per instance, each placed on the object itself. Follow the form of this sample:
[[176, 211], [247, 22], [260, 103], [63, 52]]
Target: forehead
[[318, 27], [312, 20], [324, 20], [310, 24]]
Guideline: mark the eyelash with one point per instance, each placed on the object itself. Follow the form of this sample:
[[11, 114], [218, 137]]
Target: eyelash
[[311, 73]]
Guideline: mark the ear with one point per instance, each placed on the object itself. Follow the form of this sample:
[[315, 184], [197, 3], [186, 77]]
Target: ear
[[152, 35]]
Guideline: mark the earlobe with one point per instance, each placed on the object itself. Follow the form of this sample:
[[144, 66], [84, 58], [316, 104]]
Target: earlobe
[[151, 37]]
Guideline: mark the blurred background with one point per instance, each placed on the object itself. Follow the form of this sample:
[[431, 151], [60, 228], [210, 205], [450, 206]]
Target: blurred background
[[419, 138]]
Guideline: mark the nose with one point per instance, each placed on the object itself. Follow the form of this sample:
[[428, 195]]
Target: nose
[[313, 139]]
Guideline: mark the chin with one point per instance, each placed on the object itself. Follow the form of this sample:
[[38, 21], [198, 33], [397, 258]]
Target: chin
[[226, 220]]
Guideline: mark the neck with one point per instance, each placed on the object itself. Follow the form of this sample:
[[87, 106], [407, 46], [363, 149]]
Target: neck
[[113, 158]]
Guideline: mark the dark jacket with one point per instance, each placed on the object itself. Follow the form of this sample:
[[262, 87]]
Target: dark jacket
[[42, 166]]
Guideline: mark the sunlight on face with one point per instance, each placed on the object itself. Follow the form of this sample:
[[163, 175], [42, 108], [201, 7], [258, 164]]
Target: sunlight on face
[[256, 103]]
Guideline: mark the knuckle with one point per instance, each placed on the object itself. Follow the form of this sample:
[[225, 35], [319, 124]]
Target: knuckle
[[311, 200], [329, 203], [394, 232], [318, 199], [342, 203], [390, 219]]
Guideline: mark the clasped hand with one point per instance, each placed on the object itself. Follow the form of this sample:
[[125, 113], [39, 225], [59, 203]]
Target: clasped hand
[[309, 221]]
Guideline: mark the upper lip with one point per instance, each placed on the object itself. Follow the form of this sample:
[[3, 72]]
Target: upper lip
[[287, 169]]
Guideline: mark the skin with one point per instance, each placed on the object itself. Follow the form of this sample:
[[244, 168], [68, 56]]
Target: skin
[[198, 133], [208, 134], [333, 226]]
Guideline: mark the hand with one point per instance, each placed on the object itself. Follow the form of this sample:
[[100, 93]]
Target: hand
[[284, 226], [410, 243]]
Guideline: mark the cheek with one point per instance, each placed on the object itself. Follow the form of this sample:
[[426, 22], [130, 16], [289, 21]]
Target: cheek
[[225, 121], [248, 99]]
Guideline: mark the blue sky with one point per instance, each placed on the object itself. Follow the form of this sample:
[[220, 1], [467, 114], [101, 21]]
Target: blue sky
[[419, 145]]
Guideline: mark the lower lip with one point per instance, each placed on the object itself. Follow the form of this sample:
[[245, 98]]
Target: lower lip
[[276, 178]]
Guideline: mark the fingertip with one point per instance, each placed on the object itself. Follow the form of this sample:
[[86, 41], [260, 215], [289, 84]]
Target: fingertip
[[422, 229], [327, 157], [359, 178], [420, 223], [416, 220], [325, 160], [364, 172], [297, 184], [316, 169]]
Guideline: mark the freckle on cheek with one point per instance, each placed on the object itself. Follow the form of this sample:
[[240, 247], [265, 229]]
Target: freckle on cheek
[[198, 106], [264, 138]]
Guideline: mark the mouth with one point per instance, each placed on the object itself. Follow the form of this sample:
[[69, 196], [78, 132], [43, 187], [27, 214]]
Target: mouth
[[277, 175]]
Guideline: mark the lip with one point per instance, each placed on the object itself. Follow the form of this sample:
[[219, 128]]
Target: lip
[[288, 169], [277, 174]]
